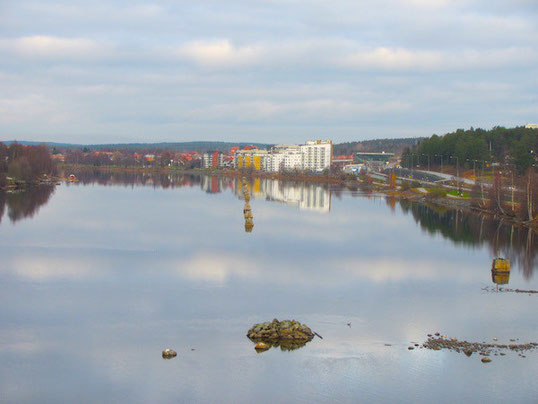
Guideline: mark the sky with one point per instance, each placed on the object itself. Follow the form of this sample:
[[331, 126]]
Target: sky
[[264, 71]]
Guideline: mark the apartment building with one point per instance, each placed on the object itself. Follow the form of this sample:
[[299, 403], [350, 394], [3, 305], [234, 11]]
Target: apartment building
[[313, 156]]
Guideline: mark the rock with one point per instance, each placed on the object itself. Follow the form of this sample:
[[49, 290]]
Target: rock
[[437, 334], [410, 348], [486, 360], [261, 346], [169, 353], [468, 352], [280, 330], [494, 339]]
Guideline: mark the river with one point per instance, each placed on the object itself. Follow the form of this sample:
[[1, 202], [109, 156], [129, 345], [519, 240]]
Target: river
[[97, 277]]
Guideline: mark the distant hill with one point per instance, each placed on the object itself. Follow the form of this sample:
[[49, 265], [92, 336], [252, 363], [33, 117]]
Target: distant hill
[[200, 146], [376, 145]]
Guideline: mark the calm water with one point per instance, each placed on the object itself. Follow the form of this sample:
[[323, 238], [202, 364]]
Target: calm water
[[98, 277]]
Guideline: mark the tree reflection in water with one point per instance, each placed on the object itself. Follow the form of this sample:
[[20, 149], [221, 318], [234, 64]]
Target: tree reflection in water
[[518, 244], [24, 204]]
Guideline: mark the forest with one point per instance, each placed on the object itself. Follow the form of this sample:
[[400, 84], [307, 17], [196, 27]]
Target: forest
[[25, 164], [477, 148]]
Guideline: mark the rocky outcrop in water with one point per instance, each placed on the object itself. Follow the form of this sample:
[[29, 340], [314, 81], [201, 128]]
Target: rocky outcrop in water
[[481, 348], [280, 331], [169, 353]]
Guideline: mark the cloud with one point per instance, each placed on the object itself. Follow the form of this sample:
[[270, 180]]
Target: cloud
[[402, 59], [219, 53], [50, 47], [31, 107], [264, 71]]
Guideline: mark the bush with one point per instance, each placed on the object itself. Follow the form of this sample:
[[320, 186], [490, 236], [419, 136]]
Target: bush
[[405, 186], [435, 193]]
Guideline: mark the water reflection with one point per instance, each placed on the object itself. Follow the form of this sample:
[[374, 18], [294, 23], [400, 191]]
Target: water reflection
[[520, 245], [284, 345], [24, 204], [517, 244], [500, 278], [308, 196], [247, 211]]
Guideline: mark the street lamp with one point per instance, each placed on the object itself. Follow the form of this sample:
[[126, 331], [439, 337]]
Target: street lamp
[[426, 154]]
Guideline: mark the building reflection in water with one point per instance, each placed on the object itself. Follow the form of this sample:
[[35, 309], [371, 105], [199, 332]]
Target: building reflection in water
[[247, 211], [518, 244], [306, 196]]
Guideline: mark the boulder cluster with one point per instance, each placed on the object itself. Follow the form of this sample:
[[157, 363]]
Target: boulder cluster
[[279, 331], [484, 349]]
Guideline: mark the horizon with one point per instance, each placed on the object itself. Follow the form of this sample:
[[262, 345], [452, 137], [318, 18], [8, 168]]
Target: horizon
[[169, 72]]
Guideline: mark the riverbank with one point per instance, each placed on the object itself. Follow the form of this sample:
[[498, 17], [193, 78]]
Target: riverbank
[[19, 185]]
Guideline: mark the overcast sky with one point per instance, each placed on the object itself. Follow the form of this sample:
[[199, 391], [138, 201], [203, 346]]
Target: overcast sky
[[269, 71]]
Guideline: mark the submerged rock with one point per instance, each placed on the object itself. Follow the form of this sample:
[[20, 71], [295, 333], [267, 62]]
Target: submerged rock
[[169, 353]]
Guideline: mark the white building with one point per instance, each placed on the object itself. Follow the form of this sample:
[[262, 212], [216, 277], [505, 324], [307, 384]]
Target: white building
[[317, 155], [531, 126], [212, 159], [313, 156], [285, 158]]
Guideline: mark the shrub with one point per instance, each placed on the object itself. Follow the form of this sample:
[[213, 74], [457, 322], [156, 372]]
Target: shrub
[[405, 186], [436, 193]]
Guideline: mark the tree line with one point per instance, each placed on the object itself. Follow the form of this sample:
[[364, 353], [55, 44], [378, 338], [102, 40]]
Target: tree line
[[477, 147], [24, 163]]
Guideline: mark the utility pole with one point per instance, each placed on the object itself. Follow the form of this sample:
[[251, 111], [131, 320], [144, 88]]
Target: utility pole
[[441, 162], [457, 172]]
